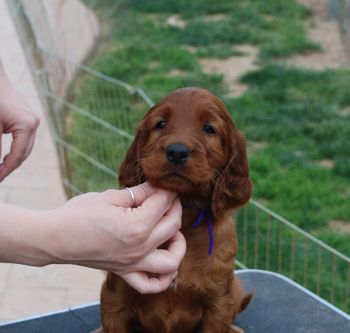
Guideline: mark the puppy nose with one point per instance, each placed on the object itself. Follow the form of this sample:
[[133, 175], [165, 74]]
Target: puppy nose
[[177, 153]]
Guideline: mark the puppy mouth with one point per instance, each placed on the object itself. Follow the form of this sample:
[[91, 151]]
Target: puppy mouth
[[175, 178], [183, 178], [174, 181], [175, 175]]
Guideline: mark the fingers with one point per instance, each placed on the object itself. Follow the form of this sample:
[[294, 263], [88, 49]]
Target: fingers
[[17, 153], [142, 192], [23, 135], [145, 284], [156, 220], [155, 202], [164, 261], [30, 144], [154, 207], [167, 227], [122, 198]]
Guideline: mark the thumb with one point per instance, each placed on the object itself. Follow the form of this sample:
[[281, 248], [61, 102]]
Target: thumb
[[146, 284], [123, 198]]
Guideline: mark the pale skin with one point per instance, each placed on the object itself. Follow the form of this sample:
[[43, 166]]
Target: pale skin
[[97, 230]]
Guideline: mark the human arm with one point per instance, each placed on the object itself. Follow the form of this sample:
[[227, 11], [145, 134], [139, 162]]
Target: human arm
[[99, 230], [16, 119]]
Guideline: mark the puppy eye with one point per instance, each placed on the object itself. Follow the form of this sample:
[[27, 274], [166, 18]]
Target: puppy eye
[[160, 124], [209, 129]]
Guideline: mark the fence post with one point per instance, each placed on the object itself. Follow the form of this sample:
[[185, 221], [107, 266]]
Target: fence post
[[39, 72]]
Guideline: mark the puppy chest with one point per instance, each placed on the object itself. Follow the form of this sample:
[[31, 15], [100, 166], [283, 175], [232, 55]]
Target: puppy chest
[[174, 312]]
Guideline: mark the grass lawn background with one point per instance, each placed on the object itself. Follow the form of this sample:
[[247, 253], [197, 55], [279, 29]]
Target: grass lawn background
[[294, 119]]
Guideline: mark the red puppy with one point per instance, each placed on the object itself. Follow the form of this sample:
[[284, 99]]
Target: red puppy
[[188, 144]]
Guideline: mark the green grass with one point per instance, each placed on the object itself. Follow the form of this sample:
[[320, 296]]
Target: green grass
[[293, 118], [297, 113]]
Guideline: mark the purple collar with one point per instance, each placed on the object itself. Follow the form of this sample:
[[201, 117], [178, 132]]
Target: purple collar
[[203, 213]]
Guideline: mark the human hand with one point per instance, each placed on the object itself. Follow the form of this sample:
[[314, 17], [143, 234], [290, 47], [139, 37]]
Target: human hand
[[15, 118], [100, 230]]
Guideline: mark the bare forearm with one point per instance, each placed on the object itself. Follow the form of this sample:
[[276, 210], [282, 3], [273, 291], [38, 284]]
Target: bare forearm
[[101, 231], [25, 237]]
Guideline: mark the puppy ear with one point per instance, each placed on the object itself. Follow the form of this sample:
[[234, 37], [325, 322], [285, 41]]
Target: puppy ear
[[130, 170], [233, 188]]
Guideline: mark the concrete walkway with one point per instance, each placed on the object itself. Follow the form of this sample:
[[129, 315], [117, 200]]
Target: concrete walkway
[[27, 291]]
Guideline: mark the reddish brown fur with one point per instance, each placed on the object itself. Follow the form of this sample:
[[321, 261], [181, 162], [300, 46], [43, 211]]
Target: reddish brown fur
[[216, 176]]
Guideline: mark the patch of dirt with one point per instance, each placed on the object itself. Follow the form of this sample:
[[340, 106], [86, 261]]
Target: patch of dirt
[[215, 17], [342, 226], [233, 68], [257, 145], [190, 48], [323, 31], [154, 64], [327, 164], [177, 73], [319, 8], [176, 21], [344, 112], [326, 33]]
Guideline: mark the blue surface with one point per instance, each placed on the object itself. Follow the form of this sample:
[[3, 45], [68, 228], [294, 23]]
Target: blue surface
[[279, 306], [78, 320]]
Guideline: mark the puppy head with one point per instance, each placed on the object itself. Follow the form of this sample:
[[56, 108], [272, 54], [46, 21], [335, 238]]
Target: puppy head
[[187, 143]]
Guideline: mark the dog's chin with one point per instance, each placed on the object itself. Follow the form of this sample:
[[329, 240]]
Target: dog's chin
[[174, 182]]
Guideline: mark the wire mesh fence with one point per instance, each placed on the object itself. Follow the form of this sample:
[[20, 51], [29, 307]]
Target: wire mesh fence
[[93, 119], [268, 241], [105, 108], [108, 110]]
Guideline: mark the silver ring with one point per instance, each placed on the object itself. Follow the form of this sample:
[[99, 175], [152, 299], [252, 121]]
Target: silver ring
[[132, 196]]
